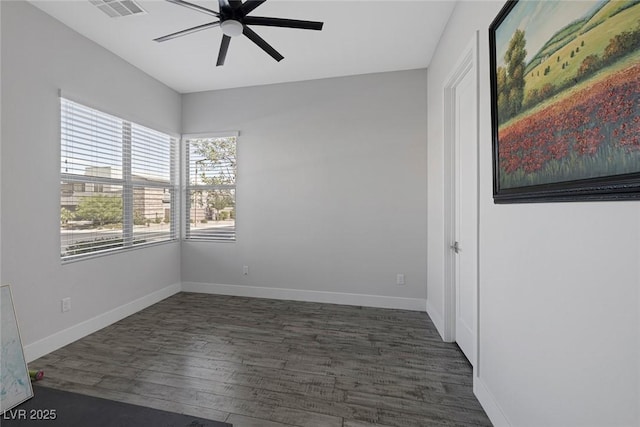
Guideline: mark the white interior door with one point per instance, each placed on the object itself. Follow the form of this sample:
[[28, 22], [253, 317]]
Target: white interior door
[[466, 213], [461, 203]]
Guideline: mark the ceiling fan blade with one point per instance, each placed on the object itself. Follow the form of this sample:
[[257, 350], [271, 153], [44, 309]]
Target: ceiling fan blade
[[249, 5], [279, 22], [224, 46], [195, 7], [187, 31], [263, 44], [229, 4]]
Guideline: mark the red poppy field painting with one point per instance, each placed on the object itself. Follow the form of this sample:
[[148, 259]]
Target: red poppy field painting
[[565, 80]]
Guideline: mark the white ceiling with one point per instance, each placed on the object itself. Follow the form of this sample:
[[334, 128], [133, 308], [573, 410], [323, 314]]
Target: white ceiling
[[358, 37]]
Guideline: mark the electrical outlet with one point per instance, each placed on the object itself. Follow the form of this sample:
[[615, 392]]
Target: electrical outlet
[[245, 270], [400, 279], [66, 304]]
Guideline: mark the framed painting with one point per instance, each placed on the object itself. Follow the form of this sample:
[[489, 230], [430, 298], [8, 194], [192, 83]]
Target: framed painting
[[565, 101], [15, 383]]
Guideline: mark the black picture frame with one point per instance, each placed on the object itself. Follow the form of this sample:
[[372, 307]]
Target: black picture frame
[[563, 136]]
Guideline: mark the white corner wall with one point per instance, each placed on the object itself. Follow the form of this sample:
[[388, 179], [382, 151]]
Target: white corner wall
[[331, 194], [559, 285], [0, 143], [39, 57]]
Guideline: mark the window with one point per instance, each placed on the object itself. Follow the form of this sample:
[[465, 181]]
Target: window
[[117, 183], [210, 200]]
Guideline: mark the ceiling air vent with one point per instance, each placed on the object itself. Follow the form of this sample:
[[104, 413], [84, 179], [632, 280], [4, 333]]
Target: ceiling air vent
[[118, 8]]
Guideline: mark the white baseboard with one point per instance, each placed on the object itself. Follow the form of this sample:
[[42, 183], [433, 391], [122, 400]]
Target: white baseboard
[[67, 336], [489, 404], [436, 318], [414, 304]]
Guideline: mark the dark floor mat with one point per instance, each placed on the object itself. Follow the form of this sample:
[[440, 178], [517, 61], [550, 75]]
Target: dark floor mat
[[50, 407]]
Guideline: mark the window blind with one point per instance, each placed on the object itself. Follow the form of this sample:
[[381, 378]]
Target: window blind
[[211, 188], [117, 183], [153, 161]]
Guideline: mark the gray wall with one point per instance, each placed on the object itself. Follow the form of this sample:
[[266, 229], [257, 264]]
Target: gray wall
[[39, 57], [331, 186], [559, 301], [0, 142]]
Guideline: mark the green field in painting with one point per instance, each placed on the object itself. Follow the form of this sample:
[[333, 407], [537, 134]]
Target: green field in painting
[[583, 38], [625, 62]]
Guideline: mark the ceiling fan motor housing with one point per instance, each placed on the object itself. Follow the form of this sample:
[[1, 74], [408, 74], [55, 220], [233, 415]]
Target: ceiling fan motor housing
[[231, 27]]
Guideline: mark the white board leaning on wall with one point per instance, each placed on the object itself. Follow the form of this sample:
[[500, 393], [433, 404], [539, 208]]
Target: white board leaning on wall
[[15, 384]]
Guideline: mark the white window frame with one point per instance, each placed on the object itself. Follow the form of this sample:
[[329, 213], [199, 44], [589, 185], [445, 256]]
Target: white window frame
[[185, 186], [128, 182]]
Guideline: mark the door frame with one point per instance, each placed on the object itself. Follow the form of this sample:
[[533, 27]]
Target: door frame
[[468, 63]]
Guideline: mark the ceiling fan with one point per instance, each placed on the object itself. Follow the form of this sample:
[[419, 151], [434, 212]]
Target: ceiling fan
[[233, 19]]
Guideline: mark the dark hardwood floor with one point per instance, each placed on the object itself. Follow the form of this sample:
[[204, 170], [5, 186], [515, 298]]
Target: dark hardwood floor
[[269, 363]]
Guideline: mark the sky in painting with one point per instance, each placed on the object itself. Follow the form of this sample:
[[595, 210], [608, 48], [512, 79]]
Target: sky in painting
[[540, 20]]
